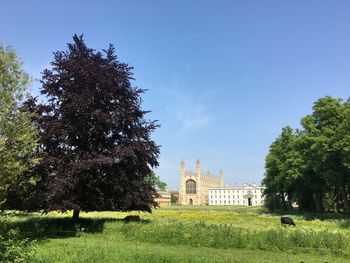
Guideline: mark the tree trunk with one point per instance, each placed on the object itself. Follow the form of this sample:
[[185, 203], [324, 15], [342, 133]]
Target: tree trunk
[[289, 202], [318, 202], [76, 215], [283, 201], [346, 200]]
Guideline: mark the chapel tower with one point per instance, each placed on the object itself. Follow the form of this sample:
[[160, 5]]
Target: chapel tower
[[194, 185]]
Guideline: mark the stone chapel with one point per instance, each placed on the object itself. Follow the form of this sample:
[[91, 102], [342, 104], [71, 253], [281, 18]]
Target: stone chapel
[[194, 185]]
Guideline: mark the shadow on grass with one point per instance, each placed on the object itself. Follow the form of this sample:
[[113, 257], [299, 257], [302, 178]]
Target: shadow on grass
[[14, 214], [43, 227]]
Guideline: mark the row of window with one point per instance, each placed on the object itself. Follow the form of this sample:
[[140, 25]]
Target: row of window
[[212, 202], [233, 196], [232, 191], [191, 189]]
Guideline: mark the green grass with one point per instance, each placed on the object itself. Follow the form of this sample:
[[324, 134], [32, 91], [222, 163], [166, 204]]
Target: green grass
[[184, 234]]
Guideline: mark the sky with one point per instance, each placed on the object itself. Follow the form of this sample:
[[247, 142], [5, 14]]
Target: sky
[[222, 77]]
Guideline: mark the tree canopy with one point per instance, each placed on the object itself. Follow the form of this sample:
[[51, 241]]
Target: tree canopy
[[155, 180], [310, 166], [18, 135], [95, 142]]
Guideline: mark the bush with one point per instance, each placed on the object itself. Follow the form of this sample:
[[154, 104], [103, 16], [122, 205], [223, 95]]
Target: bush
[[12, 247]]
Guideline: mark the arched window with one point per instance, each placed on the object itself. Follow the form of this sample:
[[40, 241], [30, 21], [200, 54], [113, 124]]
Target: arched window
[[190, 187]]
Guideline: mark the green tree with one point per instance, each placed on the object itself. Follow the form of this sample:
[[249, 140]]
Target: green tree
[[174, 199], [342, 146], [281, 172], [320, 161], [155, 180], [312, 166], [18, 135], [331, 122]]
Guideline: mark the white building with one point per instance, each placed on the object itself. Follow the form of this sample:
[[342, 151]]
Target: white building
[[249, 195]]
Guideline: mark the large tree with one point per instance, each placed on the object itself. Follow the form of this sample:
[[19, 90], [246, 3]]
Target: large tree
[[18, 135], [281, 173], [95, 143], [313, 168], [320, 161]]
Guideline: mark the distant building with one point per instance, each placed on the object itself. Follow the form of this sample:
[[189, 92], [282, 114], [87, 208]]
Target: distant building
[[164, 198], [194, 185], [248, 195]]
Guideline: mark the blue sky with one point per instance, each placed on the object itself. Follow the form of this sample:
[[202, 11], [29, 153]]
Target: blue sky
[[223, 77]]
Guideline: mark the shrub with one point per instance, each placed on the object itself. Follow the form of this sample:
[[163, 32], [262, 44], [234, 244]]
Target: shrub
[[12, 247]]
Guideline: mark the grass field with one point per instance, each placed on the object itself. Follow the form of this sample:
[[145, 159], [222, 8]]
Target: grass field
[[180, 234]]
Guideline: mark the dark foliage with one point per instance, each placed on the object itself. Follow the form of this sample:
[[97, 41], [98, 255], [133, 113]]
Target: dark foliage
[[95, 146]]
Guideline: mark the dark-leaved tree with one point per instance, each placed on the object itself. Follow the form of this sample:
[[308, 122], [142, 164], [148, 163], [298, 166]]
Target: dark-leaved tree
[[95, 146]]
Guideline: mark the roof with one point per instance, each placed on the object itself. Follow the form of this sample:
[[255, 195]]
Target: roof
[[235, 187]]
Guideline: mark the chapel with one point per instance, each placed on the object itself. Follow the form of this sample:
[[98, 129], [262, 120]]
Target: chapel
[[194, 185]]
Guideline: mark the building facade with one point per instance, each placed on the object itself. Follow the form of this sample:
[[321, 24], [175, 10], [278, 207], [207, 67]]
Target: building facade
[[194, 185], [248, 195], [163, 199]]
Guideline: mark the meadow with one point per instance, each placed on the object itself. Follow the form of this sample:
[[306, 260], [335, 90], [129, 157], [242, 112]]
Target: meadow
[[176, 234]]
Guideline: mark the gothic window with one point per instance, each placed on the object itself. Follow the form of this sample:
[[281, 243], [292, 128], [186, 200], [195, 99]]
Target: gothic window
[[190, 187]]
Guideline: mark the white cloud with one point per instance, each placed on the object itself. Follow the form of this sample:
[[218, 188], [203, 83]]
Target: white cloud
[[191, 116], [188, 110]]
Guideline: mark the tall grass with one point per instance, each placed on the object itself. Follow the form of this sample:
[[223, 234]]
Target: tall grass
[[181, 234], [228, 236]]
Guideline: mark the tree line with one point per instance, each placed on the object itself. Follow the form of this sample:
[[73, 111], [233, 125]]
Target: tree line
[[86, 145], [310, 167]]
